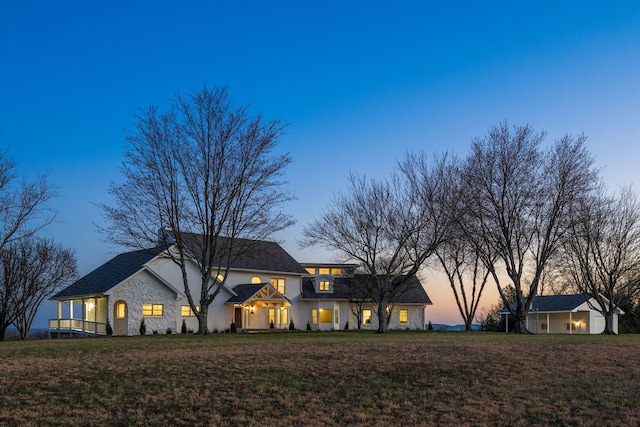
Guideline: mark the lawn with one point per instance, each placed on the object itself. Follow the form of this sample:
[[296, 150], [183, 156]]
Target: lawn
[[313, 378]]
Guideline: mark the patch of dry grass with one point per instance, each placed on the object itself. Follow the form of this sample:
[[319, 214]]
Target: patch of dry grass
[[312, 378]]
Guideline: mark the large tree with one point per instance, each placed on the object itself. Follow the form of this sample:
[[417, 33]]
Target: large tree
[[24, 211], [37, 268], [519, 199], [209, 172], [602, 251], [388, 227]]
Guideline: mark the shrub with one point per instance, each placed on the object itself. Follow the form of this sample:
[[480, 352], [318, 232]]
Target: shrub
[[430, 327], [169, 331], [155, 332], [271, 325], [292, 327], [183, 329], [143, 328], [346, 326], [109, 328], [233, 328], [308, 326]]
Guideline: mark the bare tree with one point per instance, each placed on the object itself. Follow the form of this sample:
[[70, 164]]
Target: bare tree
[[519, 201], [23, 213], [602, 252], [389, 227], [466, 273], [38, 268], [207, 171]]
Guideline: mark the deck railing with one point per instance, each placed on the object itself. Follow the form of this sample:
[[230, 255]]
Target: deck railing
[[77, 326]]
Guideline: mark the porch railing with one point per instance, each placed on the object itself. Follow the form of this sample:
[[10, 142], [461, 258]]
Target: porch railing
[[77, 326]]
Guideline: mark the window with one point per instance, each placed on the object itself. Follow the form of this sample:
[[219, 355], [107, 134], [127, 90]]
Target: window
[[326, 316], [152, 309], [121, 308], [314, 316], [336, 271], [544, 326], [284, 316], [256, 280], [279, 284], [220, 278], [311, 270], [366, 316], [324, 270], [572, 326], [272, 316], [324, 285], [185, 311], [404, 316]]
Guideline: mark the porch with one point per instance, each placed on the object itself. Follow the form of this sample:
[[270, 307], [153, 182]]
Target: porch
[[82, 317]]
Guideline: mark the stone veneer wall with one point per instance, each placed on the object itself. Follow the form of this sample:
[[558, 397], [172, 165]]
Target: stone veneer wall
[[144, 289], [415, 318]]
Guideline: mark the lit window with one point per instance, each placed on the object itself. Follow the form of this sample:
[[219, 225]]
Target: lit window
[[326, 316], [152, 309], [324, 270], [324, 285], [284, 316], [272, 316], [185, 311], [256, 279], [366, 316], [314, 316], [404, 316], [220, 278], [336, 271], [121, 310], [311, 270], [279, 284]]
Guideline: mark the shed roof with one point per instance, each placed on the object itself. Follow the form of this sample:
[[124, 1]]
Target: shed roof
[[554, 303]]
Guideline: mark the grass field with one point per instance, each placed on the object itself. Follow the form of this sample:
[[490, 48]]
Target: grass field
[[313, 378]]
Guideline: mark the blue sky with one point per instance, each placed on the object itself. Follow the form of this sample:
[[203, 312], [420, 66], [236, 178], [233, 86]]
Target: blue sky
[[360, 83]]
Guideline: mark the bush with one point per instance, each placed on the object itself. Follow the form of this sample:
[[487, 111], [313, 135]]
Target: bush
[[169, 331], [308, 326], [233, 328], [346, 326], [184, 327], [155, 332], [271, 325], [109, 329], [292, 327], [430, 327], [143, 328]]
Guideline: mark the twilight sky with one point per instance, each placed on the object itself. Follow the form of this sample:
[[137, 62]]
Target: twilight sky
[[359, 82]]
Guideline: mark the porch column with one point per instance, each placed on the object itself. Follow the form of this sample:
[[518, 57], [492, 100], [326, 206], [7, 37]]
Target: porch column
[[506, 323], [548, 324], [84, 314], [570, 324], [59, 310]]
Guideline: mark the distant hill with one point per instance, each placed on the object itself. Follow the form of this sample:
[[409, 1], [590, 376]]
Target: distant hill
[[443, 327]]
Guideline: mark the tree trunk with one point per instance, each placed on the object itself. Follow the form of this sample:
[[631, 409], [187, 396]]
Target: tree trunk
[[203, 314], [382, 318], [468, 324], [609, 324], [3, 330]]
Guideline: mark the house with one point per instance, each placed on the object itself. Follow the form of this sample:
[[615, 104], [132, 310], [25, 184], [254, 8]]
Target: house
[[266, 288], [565, 314]]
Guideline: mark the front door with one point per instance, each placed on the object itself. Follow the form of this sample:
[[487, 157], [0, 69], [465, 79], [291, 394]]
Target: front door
[[120, 323], [238, 311]]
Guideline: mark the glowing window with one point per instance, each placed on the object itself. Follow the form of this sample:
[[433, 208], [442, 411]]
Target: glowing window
[[311, 270], [404, 316], [336, 271], [152, 309], [366, 316], [185, 311], [121, 310], [220, 278], [279, 284], [324, 270], [326, 316], [324, 285], [256, 279], [314, 316], [272, 316], [284, 316]]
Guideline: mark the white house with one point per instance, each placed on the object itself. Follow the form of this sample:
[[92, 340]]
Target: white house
[[265, 289], [565, 314]]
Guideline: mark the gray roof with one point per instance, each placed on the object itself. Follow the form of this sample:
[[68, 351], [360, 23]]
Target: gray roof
[[353, 288], [554, 303], [246, 291], [108, 274], [257, 255]]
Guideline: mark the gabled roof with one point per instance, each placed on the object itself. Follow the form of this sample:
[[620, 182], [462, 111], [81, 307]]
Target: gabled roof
[[257, 255], [553, 303], [352, 288], [257, 292], [109, 274]]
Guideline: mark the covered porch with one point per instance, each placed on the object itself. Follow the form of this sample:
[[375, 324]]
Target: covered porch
[[80, 316], [260, 307]]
